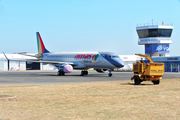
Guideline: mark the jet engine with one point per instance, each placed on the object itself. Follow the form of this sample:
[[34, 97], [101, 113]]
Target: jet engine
[[66, 68], [101, 70]]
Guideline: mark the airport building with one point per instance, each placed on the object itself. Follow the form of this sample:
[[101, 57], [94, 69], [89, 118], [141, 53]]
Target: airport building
[[155, 38]]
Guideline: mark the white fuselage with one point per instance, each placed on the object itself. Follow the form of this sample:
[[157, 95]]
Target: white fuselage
[[80, 60]]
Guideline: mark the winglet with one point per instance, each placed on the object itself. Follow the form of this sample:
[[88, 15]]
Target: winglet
[[40, 44], [5, 56]]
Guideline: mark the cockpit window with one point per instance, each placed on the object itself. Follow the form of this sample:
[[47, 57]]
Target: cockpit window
[[115, 56]]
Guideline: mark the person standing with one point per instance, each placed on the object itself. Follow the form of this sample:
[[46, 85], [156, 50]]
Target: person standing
[[142, 61]]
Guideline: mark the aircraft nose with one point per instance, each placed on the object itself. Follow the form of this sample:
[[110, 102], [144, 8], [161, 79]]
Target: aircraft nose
[[118, 63]]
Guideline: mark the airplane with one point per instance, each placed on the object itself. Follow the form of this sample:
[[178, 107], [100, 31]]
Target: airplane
[[66, 62]]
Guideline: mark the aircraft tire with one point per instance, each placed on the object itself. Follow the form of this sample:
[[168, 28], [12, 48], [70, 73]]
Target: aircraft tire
[[82, 73], [60, 73], [86, 72], [110, 74]]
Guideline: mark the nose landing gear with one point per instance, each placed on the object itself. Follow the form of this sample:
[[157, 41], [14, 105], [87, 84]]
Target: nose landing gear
[[110, 74]]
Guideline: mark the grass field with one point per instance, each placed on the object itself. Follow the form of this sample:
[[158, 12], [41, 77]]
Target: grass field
[[100, 100]]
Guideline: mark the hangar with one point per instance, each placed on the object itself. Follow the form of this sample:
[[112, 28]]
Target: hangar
[[21, 65]]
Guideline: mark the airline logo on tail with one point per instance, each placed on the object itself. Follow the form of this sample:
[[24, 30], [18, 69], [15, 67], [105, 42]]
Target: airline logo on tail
[[40, 44]]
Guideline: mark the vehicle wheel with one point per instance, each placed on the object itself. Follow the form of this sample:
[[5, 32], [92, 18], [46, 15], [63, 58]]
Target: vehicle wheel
[[110, 74], [156, 82], [137, 81]]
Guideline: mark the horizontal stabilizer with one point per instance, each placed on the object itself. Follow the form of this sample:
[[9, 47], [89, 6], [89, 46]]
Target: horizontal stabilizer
[[26, 54]]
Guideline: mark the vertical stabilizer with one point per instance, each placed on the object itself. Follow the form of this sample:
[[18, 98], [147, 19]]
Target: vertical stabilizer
[[40, 44]]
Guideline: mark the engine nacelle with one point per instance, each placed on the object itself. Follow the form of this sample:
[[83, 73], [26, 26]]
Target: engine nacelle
[[101, 70], [66, 68]]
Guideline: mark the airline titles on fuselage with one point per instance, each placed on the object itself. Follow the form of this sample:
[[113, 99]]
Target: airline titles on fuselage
[[83, 56], [78, 56]]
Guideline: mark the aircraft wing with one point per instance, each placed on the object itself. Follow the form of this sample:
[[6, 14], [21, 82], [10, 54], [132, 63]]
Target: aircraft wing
[[52, 62], [46, 62]]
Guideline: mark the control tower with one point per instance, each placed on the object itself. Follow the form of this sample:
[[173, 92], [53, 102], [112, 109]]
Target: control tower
[[156, 38]]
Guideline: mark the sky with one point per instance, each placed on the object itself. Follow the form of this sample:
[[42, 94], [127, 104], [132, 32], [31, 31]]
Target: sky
[[83, 25]]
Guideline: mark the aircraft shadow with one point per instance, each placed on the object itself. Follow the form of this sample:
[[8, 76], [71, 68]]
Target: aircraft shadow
[[72, 75]]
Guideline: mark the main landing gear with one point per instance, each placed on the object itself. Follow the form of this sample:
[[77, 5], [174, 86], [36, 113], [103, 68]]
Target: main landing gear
[[84, 73], [60, 73]]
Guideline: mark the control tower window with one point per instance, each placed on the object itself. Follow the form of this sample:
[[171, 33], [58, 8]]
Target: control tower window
[[154, 33], [164, 32]]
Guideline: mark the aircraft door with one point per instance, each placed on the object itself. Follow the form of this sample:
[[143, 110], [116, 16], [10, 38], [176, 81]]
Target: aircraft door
[[102, 58]]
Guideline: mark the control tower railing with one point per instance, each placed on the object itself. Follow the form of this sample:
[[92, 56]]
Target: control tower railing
[[151, 24]]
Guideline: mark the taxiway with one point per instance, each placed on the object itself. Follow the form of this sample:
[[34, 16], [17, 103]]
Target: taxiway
[[50, 77]]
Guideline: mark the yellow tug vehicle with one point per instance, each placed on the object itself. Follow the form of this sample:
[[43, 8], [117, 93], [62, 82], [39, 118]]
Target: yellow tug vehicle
[[147, 71]]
